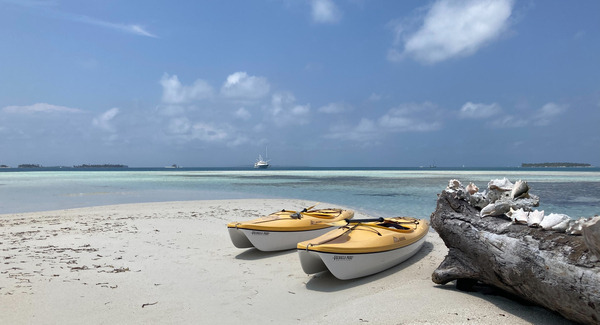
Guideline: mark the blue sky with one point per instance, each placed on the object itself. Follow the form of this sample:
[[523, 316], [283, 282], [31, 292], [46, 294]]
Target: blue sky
[[318, 82]]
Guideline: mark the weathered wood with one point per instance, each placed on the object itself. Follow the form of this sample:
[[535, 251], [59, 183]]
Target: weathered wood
[[551, 269]]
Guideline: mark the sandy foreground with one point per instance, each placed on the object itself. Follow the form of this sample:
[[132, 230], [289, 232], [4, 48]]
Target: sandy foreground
[[173, 263]]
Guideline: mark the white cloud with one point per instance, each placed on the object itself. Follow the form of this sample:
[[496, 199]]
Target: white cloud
[[333, 108], [547, 113], [139, 30], [127, 28], [242, 113], [543, 116], [170, 110], [424, 117], [39, 108], [208, 133], [412, 117], [183, 129], [509, 121], [104, 120], [284, 110], [241, 86], [179, 125], [176, 93], [365, 132], [325, 11], [47, 9], [479, 111], [238, 141], [279, 100], [300, 110], [452, 28]]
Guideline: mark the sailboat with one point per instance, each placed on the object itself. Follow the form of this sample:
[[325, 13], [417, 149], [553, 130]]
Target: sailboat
[[262, 163]]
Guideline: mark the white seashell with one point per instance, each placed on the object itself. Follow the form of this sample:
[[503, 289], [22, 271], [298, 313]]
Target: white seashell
[[520, 189], [454, 183], [575, 226], [500, 184], [495, 209], [472, 188], [487, 210], [519, 216], [534, 218], [552, 220], [562, 226]]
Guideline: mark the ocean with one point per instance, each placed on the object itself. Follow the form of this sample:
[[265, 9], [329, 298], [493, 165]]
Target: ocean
[[376, 191]]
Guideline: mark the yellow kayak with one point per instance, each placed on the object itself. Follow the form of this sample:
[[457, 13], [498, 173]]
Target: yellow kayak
[[363, 247], [284, 229]]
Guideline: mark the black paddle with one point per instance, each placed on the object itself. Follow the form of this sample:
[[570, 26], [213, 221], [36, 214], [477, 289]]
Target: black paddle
[[364, 220]]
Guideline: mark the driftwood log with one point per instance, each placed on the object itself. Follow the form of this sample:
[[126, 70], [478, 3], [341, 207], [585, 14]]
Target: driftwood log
[[551, 269]]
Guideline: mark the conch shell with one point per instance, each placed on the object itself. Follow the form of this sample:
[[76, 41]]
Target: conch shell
[[519, 216], [520, 189], [472, 188], [552, 220], [454, 184], [500, 184], [535, 218], [495, 209], [562, 226]]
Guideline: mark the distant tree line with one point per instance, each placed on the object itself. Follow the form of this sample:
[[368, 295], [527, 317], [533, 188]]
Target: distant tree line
[[78, 166], [555, 164]]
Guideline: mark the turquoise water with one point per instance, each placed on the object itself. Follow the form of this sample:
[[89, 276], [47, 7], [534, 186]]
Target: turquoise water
[[380, 192]]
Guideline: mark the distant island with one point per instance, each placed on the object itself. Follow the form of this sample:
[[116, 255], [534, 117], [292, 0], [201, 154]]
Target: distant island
[[30, 166], [101, 166], [555, 164]]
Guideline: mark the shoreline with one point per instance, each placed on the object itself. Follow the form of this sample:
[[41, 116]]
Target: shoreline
[[173, 262]]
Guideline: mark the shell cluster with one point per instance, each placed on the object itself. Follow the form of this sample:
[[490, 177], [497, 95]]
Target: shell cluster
[[554, 221], [503, 198]]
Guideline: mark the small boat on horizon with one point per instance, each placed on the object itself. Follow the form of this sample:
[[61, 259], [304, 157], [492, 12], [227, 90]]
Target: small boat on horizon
[[363, 247], [285, 229], [262, 163], [173, 166]]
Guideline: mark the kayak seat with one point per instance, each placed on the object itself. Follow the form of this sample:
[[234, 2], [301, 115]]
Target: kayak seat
[[393, 225]]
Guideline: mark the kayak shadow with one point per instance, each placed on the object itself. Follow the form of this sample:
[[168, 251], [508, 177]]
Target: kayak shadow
[[253, 254], [326, 282]]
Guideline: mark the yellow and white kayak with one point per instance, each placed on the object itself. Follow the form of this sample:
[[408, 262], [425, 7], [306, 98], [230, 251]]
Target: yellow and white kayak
[[285, 229], [363, 247]]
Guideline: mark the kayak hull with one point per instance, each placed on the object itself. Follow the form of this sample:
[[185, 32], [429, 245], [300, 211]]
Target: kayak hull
[[269, 241], [284, 229], [363, 247], [350, 266], [239, 239]]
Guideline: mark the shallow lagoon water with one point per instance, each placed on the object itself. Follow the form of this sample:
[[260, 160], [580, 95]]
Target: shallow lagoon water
[[379, 192]]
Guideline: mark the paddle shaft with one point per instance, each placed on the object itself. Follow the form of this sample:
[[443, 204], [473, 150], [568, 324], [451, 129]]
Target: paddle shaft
[[364, 220]]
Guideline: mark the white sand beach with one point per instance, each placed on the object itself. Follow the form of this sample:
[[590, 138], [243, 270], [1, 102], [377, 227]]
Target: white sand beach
[[173, 263]]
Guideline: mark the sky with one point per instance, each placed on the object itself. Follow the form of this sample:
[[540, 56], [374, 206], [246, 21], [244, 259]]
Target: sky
[[318, 83]]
